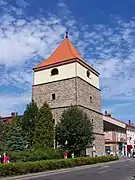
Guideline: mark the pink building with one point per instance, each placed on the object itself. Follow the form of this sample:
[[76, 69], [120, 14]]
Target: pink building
[[115, 134], [130, 137], [115, 141]]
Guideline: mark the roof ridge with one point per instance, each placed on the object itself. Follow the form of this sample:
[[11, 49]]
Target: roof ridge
[[75, 50], [70, 48]]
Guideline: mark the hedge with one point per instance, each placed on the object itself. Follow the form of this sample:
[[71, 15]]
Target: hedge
[[37, 155], [21, 168]]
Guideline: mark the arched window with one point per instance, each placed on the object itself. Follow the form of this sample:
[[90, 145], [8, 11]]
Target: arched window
[[88, 73], [54, 72]]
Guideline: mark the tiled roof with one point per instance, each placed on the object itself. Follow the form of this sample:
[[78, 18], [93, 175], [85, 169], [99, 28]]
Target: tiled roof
[[131, 125], [8, 118], [114, 119], [65, 51]]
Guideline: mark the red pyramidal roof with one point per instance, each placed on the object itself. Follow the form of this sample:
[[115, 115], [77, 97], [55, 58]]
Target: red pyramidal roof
[[65, 51]]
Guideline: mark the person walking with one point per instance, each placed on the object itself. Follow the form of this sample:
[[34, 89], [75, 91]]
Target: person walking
[[6, 158], [72, 155], [65, 155], [2, 158]]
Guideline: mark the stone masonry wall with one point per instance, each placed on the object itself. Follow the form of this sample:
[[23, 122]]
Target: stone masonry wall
[[84, 91], [97, 129], [97, 120], [99, 144], [64, 91]]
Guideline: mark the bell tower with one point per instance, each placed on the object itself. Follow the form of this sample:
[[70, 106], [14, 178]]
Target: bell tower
[[64, 79]]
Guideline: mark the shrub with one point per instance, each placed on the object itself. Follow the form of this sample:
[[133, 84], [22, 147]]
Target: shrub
[[38, 155], [21, 168]]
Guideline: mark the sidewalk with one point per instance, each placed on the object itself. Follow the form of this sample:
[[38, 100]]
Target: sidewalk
[[125, 157]]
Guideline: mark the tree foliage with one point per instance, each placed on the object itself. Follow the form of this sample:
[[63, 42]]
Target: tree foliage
[[29, 122], [44, 131], [1, 133], [75, 128], [14, 139]]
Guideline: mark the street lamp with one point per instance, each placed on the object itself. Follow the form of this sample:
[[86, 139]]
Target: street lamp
[[66, 142]]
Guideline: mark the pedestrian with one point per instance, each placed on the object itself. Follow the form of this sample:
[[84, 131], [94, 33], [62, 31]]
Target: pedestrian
[[65, 155], [6, 158], [2, 158], [72, 155], [111, 153]]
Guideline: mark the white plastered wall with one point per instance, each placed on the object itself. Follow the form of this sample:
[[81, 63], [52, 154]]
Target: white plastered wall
[[130, 134], [92, 79], [65, 71], [44, 76]]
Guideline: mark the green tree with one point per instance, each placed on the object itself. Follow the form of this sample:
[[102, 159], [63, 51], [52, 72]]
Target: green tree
[[74, 131], [1, 133], [44, 132], [14, 139], [29, 122]]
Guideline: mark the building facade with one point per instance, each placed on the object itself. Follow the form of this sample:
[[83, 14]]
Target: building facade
[[115, 135], [130, 137], [65, 79], [115, 142]]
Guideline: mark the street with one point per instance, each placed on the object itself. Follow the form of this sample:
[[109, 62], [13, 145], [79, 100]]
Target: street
[[121, 170]]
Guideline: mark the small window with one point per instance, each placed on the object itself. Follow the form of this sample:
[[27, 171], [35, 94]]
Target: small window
[[53, 121], [88, 73], [90, 98], [92, 121], [53, 96], [54, 72]]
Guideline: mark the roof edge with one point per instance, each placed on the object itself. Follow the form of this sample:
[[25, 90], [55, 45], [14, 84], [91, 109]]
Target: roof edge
[[83, 63], [130, 125], [115, 119], [54, 64]]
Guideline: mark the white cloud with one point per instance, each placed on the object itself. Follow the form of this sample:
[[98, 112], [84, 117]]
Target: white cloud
[[13, 103], [121, 110], [24, 42], [22, 3]]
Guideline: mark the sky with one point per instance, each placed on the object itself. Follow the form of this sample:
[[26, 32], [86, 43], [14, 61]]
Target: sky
[[102, 31]]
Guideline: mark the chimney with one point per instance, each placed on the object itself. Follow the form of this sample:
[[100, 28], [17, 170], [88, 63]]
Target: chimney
[[105, 113], [109, 115], [13, 114], [129, 121]]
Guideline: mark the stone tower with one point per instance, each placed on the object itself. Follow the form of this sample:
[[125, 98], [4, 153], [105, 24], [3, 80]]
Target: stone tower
[[64, 79]]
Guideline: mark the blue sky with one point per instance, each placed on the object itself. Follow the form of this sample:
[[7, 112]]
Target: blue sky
[[103, 31]]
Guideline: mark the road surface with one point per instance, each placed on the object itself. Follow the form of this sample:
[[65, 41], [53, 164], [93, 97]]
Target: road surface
[[121, 170]]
